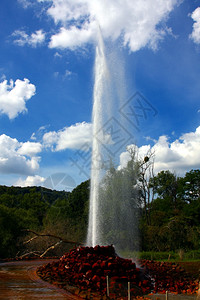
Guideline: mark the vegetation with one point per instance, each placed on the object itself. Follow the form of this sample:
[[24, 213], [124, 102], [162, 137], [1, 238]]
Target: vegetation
[[174, 221], [168, 207], [42, 210]]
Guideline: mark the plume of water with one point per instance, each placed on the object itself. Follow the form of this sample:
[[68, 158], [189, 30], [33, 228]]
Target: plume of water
[[112, 211], [99, 98]]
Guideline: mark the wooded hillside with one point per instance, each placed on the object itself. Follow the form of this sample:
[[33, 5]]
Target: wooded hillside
[[169, 219]]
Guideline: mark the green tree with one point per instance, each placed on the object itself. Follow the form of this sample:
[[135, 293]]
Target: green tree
[[68, 216], [190, 186], [175, 210], [190, 193], [10, 230], [167, 187]]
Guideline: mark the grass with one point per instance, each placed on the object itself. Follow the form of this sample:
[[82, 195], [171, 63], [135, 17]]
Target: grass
[[190, 260], [180, 255]]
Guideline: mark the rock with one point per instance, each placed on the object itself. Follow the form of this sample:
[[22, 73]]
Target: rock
[[87, 268]]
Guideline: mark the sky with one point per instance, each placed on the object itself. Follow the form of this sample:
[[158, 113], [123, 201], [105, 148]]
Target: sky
[[47, 57]]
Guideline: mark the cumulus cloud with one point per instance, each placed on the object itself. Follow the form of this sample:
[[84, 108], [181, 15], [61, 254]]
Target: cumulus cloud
[[30, 181], [138, 23], [13, 96], [17, 157], [195, 35], [72, 38], [29, 148], [178, 156], [33, 40], [73, 137]]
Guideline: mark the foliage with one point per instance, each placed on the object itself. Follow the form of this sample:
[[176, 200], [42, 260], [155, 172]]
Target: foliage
[[9, 230], [39, 209], [168, 207], [175, 213]]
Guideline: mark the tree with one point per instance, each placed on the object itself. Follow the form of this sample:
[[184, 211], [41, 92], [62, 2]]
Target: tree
[[190, 186], [68, 216], [189, 192], [78, 200], [167, 187], [10, 230], [146, 190]]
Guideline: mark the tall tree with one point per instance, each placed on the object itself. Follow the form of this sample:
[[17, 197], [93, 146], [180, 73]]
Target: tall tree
[[167, 187], [146, 190], [190, 186]]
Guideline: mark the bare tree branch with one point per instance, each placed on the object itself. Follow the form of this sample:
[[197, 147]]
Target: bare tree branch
[[36, 253], [49, 235], [33, 238], [51, 247], [42, 253]]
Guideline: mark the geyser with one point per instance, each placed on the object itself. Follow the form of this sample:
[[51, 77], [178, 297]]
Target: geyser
[[113, 211], [99, 98]]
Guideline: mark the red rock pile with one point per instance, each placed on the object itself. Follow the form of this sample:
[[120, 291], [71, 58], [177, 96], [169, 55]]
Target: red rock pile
[[170, 277], [87, 268]]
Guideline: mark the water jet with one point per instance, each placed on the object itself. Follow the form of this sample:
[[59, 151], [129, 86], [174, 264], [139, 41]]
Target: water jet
[[113, 213]]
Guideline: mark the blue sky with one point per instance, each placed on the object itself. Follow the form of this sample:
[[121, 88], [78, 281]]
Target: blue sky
[[47, 59]]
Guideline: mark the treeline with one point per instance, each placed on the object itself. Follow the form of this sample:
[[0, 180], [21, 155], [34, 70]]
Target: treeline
[[171, 220], [168, 207], [42, 210]]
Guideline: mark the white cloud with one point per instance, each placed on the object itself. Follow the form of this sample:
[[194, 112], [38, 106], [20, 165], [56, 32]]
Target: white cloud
[[139, 23], [17, 157], [13, 96], [44, 0], [195, 35], [73, 137], [30, 148], [56, 74], [33, 137], [66, 10], [38, 135], [126, 156], [68, 73], [57, 55], [73, 37], [25, 3], [30, 181], [180, 155], [33, 40], [3, 77]]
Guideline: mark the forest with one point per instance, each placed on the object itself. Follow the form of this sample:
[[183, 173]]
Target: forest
[[168, 207]]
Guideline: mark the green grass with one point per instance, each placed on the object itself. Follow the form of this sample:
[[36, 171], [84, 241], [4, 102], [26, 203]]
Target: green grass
[[179, 255]]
